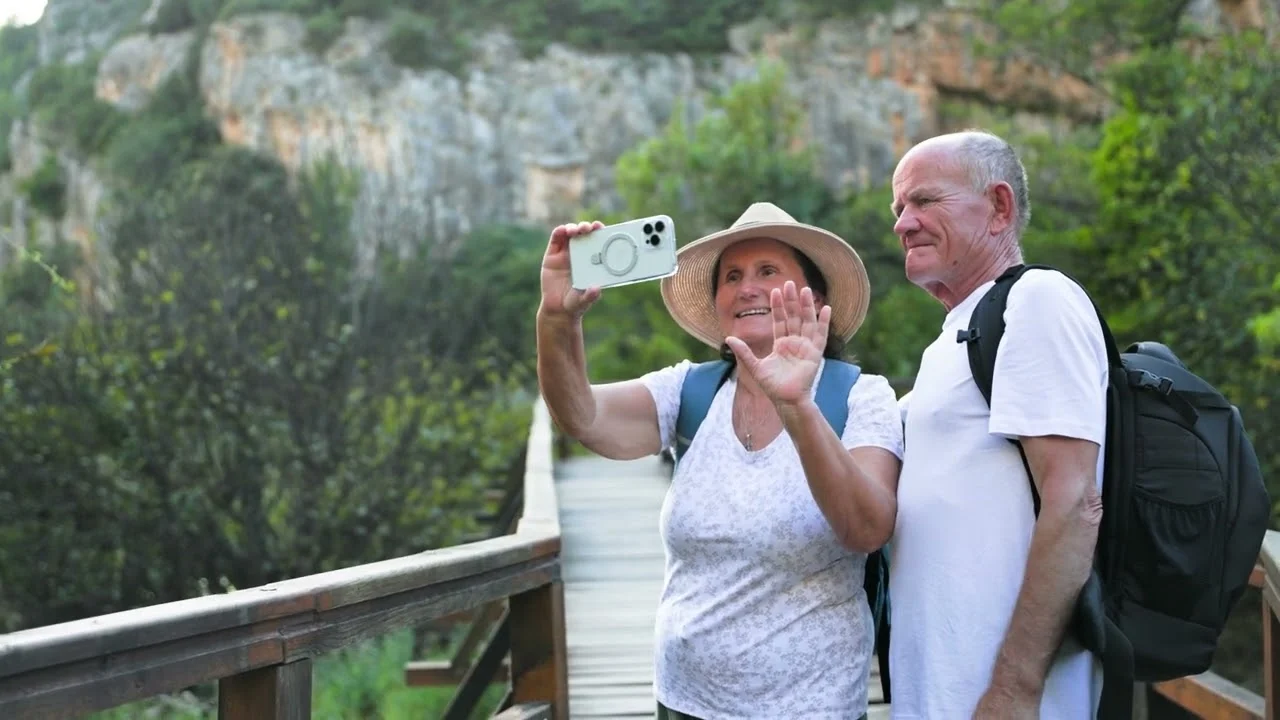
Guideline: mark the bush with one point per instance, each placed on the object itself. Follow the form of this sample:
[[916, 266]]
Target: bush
[[418, 41], [62, 99], [46, 188]]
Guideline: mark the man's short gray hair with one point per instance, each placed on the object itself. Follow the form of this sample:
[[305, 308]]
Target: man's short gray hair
[[990, 160]]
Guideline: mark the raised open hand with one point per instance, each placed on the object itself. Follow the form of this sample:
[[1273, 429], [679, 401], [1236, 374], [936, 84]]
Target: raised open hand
[[799, 337], [558, 293]]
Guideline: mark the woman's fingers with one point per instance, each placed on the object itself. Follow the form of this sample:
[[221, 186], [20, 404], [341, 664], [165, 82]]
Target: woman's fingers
[[791, 301], [778, 313], [746, 358], [822, 327]]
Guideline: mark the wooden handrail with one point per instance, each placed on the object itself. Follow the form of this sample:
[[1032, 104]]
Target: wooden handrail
[[258, 643]]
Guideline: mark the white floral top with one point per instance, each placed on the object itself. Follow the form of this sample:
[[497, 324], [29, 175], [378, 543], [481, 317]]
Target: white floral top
[[762, 613]]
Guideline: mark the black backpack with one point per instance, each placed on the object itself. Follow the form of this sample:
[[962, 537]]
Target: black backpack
[[1185, 510]]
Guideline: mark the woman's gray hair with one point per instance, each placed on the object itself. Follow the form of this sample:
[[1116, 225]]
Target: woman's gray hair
[[990, 160]]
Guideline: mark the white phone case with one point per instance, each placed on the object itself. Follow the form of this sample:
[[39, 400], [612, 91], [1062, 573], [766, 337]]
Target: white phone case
[[629, 252]]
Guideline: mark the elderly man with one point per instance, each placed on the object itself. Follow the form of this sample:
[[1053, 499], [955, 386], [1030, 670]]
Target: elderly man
[[982, 588]]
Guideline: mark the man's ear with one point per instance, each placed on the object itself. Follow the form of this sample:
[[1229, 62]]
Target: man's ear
[[1004, 209]]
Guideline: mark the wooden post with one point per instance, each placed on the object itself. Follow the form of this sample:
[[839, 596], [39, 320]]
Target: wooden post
[[276, 692], [1142, 693], [1270, 647], [539, 655]]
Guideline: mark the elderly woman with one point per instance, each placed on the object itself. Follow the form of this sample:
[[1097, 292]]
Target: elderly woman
[[771, 513]]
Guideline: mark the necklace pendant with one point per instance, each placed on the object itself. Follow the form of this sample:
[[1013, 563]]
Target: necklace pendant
[[749, 448]]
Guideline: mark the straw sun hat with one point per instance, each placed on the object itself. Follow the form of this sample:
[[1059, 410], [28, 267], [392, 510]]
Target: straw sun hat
[[688, 297]]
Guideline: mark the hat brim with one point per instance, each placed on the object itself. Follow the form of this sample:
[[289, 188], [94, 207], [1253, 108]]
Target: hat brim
[[688, 297]]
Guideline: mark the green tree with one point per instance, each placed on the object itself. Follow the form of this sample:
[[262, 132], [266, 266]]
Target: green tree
[[251, 408], [1189, 176]]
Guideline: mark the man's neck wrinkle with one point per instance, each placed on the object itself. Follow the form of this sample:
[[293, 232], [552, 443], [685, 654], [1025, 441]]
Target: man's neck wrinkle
[[990, 271]]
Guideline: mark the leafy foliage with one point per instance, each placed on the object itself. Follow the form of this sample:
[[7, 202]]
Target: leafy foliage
[[18, 44], [251, 408], [1188, 172], [47, 188], [1082, 36], [62, 99]]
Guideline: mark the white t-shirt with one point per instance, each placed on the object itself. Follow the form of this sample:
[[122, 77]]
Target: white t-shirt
[[762, 613], [965, 512]]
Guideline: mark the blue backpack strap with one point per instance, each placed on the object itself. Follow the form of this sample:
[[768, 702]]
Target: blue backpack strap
[[832, 397], [701, 384]]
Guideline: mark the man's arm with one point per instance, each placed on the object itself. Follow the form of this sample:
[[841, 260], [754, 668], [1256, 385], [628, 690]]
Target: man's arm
[[1049, 393], [855, 489], [1058, 564]]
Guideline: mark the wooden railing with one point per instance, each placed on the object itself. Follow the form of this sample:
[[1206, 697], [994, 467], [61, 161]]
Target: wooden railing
[[1209, 695], [259, 643]]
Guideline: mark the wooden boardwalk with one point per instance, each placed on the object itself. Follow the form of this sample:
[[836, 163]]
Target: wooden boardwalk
[[612, 568]]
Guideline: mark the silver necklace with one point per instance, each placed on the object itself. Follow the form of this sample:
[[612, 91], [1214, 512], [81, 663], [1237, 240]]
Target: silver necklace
[[742, 422]]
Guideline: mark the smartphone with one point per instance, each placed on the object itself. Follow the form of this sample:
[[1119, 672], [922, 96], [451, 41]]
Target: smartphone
[[629, 252]]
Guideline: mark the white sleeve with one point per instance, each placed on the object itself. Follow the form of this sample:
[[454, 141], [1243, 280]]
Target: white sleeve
[[664, 385], [874, 417], [1051, 367]]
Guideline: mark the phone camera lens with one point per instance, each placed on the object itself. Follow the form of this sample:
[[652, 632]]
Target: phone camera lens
[[660, 226], [654, 240], [648, 228]]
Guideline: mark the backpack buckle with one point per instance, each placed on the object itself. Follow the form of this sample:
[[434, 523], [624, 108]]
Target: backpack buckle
[[964, 336], [1150, 381]]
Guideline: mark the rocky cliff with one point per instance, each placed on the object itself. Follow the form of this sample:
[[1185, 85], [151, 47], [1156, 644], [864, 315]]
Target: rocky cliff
[[511, 138]]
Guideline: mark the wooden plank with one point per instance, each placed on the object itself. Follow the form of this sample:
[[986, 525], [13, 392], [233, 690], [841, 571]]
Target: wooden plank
[[482, 674], [1213, 697], [277, 692], [1270, 643], [87, 685], [612, 564], [63, 643], [539, 658], [526, 711], [540, 513], [430, 673]]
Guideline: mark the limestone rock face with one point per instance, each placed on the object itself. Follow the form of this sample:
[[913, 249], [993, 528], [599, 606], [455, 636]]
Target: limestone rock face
[[535, 139], [136, 65]]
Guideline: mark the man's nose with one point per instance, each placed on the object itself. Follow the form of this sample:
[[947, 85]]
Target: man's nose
[[906, 224]]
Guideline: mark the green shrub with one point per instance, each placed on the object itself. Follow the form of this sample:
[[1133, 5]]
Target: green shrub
[[418, 41], [251, 409], [62, 98], [47, 188], [322, 30]]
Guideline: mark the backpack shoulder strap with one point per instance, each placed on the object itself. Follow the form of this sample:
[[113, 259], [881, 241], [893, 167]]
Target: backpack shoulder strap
[[703, 381], [986, 327], [832, 397], [700, 386]]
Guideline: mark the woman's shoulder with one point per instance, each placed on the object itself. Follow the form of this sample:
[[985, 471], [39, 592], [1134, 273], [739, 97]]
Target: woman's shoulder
[[871, 391]]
